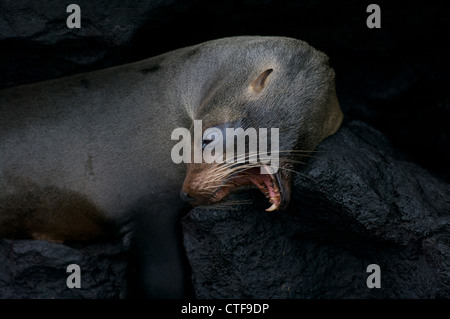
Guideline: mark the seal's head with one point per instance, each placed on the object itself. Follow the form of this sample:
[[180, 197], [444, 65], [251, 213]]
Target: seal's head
[[278, 88]]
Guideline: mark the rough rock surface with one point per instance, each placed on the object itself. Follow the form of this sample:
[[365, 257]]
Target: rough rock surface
[[37, 44], [355, 203], [38, 269]]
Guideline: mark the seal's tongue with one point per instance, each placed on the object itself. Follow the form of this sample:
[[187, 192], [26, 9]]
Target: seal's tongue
[[265, 182], [267, 185]]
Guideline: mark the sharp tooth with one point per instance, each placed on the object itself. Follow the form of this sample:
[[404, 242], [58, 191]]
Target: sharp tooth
[[272, 208]]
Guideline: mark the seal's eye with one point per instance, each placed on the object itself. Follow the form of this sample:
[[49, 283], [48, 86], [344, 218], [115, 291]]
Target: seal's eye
[[208, 138]]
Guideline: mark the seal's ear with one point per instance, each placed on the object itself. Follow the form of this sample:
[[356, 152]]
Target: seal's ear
[[260, 82]]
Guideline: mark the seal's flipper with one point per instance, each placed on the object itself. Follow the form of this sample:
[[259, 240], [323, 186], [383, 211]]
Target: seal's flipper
[[158, 266]]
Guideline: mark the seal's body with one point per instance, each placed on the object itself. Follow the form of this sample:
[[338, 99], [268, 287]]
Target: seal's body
[[91, 152]]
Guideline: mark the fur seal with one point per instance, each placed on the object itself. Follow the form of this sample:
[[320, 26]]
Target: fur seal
[[83, 155]]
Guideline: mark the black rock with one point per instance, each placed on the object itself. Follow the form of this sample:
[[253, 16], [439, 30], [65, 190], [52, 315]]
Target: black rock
[[355, 203], [37, 45], [38, 269]]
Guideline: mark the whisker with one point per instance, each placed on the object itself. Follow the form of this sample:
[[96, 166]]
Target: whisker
[[292, 161], [215, 206], [238, 202], [298, 173], [223, 171], [246, 156], [229, 203]]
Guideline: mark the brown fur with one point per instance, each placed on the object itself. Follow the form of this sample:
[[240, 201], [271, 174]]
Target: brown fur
[[52, 214], [94, 149]]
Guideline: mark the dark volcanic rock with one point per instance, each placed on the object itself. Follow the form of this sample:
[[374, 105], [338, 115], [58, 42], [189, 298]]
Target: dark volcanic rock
[[37, 44], [37, 269], [354, 204]]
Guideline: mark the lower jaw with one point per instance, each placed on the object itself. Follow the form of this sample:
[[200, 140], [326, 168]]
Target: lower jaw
[[264, 183]]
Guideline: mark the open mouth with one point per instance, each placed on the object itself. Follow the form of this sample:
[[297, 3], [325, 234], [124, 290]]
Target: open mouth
[[268, 184]]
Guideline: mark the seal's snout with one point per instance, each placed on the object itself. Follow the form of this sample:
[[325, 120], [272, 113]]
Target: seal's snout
[[185, 197], [210, 184]]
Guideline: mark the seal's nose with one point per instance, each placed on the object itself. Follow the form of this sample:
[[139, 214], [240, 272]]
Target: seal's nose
[[185, 197]]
